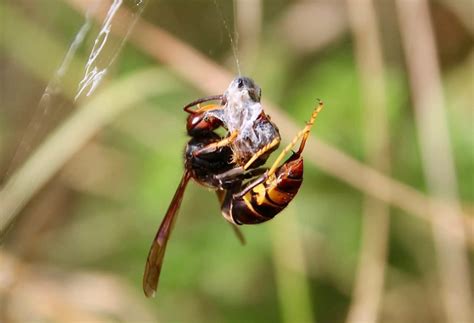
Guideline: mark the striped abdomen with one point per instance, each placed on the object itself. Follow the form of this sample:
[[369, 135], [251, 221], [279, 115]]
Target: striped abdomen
[[266, 200]]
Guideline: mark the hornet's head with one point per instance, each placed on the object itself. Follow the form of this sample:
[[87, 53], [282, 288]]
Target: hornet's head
[[243, 88]]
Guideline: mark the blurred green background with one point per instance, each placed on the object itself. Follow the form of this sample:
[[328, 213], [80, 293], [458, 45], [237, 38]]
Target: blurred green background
[[77, 249]]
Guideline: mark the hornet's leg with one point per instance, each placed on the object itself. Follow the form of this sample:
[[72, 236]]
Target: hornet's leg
[[221, 194], [188, 106], [224, 180], [226, 204], [216, 145], [275, 142], [241, 169], [252, 185], [208, 107], [303, 135]]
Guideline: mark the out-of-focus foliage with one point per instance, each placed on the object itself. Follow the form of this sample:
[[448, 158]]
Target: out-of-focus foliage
[[99, 215]]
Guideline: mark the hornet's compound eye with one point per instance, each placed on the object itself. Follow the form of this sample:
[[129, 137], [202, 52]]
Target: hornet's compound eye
[[240, 83]]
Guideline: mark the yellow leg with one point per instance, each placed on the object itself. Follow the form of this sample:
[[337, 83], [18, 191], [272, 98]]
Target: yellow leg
[[208, 107], [216, 145], [188, 106], [303, 135], [261, 152]]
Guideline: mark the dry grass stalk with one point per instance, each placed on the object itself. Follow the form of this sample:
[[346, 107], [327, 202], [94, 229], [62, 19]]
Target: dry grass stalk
[[369, 281], [437, 158]]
